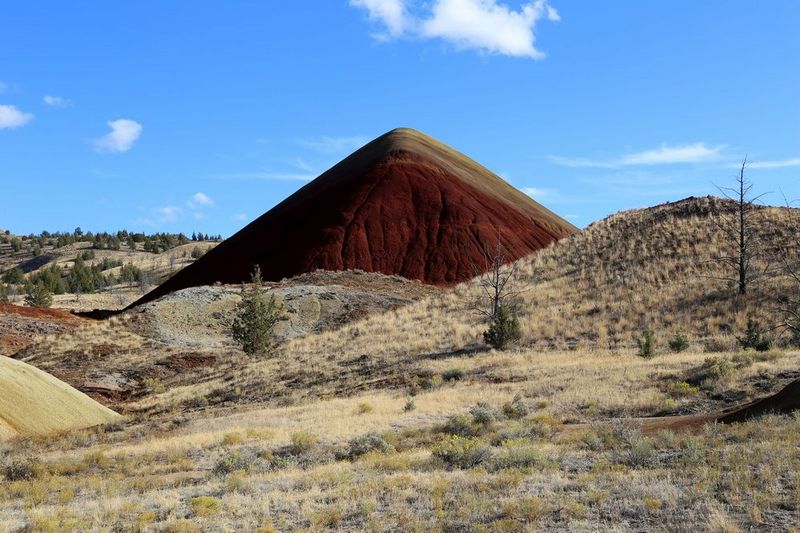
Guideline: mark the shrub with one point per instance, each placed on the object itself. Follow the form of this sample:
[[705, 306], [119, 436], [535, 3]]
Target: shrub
[[459, 425], [18, 470], [371, 442], [516, 408], [256, 316], [181, 526], [205, 506], [646, 344], [484, 414], [302, 442], [410, 405], [503, 329], [5, 294], [681, 388], [364, 408], [678, 343], [517, 454], [754, 337], [454, 374], [233, 462], [37, 295], [462, 452]]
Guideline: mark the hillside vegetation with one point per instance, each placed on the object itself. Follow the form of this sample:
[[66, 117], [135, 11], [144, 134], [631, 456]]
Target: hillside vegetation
[[403, 419], [86, 271]]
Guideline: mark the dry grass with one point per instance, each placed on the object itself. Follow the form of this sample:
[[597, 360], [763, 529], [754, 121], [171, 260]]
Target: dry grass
[[251, 443], [289, 466]]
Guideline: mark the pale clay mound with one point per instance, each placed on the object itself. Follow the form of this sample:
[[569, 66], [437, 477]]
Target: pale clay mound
[[201, 316], [33, 402]]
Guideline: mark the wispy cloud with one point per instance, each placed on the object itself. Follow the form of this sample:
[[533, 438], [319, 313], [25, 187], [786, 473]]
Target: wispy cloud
[[485, 25], [123, 135], [200, 200], [773, 164], [161, 215], [56, 101], [3, 87], [11, 117], [239, 217], [334, 145], [664, 155], [540, 194]]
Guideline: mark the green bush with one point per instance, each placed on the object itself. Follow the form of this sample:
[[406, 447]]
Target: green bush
[[462, 452], [754, 337], [233, 462], [484, 414], [646, 344], [37, 295], [678, 343], [516, 408], [15, 276], [256, 316], [503, 329], [459, 425], [454, 374], [371, 442]]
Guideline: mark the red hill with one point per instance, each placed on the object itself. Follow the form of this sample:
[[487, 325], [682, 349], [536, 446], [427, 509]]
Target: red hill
[[404, 204]]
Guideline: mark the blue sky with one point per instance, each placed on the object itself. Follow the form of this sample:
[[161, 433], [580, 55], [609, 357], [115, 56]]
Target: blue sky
[[199, 115]]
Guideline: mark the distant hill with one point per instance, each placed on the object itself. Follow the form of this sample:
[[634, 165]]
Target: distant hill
[[404, 204]]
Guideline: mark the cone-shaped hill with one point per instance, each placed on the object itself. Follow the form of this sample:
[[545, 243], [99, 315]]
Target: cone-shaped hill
[[403, 204]]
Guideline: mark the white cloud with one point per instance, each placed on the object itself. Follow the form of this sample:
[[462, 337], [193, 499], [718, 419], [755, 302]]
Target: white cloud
[[537, 193], [488, 26], [335, 145], [239, 217], [200, 200], [664, 155], [391, 13], [11, 117], [773, 164], [484, 25], [121, 138], [689, 153], [56, 101]]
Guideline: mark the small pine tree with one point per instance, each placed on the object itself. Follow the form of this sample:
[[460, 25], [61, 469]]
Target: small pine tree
[[678, 343], [37, 295], [647, 344], [256, 315], [503, 329], [754, 337]]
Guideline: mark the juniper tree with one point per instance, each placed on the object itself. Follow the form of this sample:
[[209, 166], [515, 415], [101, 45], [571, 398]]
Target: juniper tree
[[37, 295], [256, 316]]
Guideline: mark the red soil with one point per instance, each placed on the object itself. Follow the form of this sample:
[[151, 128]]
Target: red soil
[[404, 204], [56, 315]]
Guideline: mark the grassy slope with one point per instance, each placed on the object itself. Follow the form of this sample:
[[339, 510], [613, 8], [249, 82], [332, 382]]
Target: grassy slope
[[34, 403], [587, 295]]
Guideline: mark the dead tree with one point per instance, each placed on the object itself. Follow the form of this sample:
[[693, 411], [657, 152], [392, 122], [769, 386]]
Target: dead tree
[[740, 232], [496, 281]]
